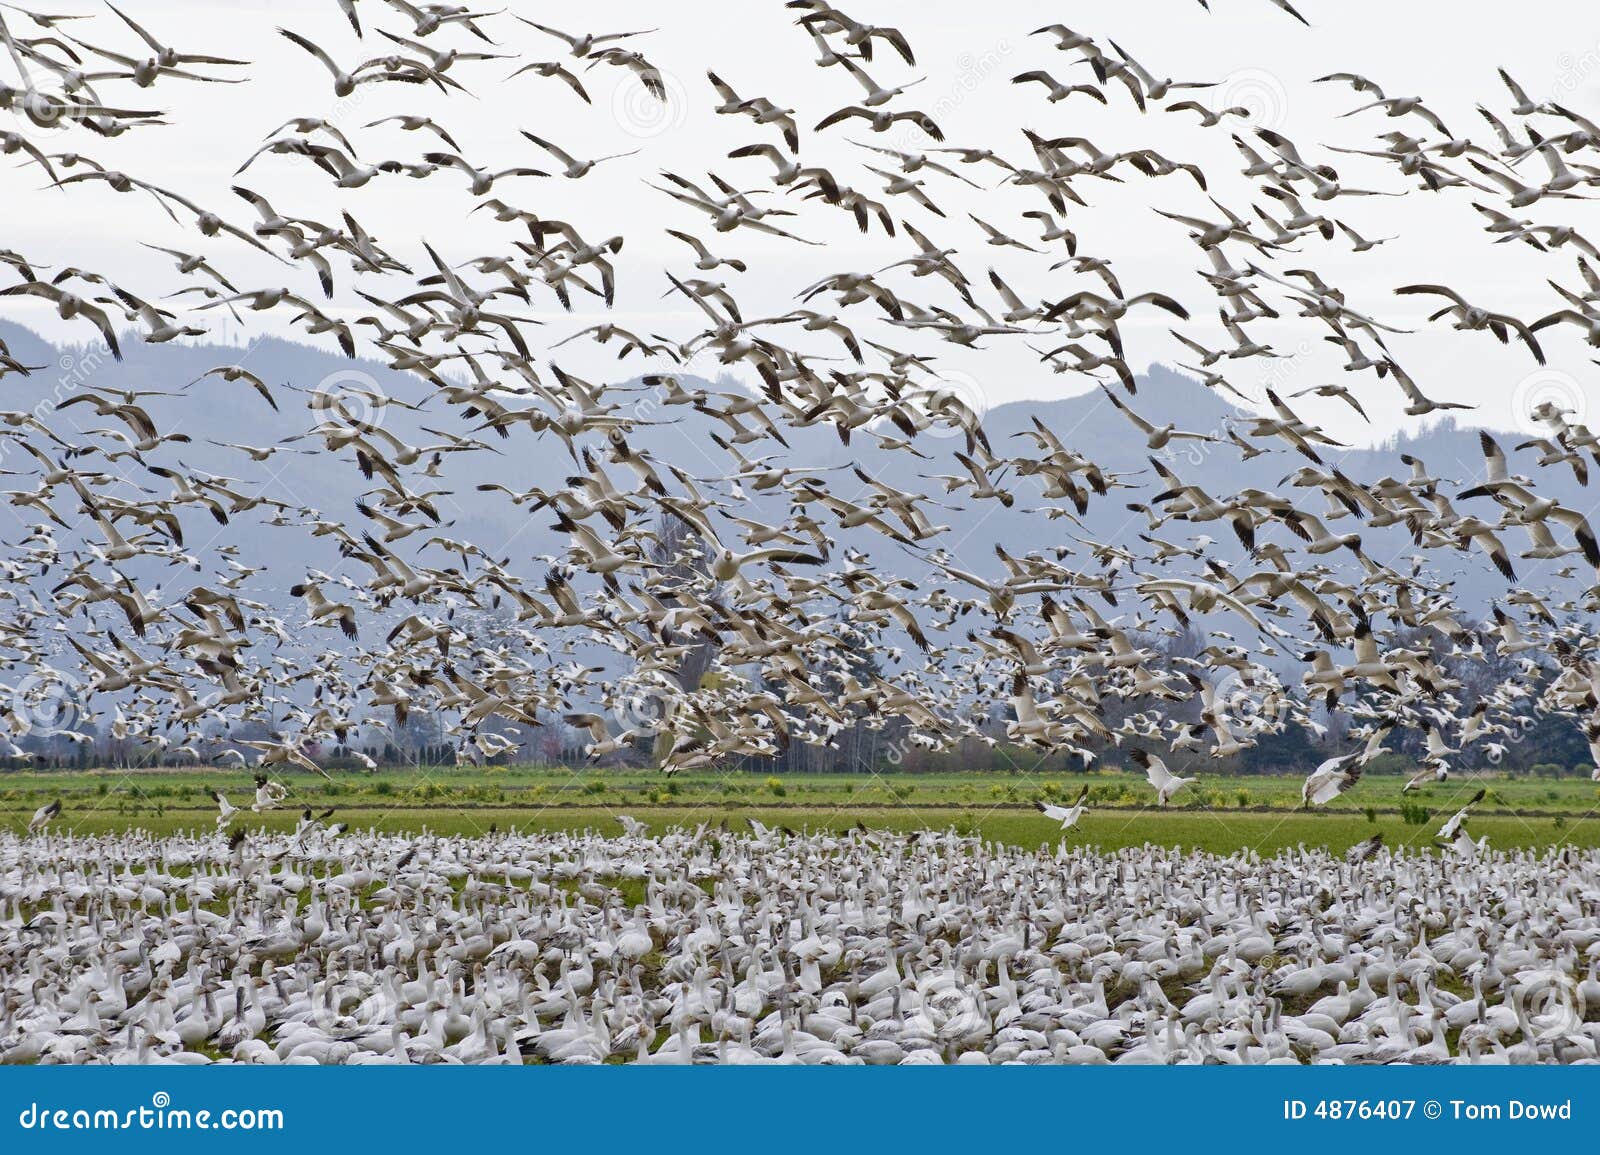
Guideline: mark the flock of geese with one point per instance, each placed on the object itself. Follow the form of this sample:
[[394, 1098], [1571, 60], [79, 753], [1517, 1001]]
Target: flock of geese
[[667, 564], [710, 947], [124, 580]]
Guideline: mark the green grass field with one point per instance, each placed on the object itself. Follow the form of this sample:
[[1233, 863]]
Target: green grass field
[[1221, 814]]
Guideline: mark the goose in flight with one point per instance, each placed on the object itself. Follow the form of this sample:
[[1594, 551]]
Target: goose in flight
[[602, 744], [876, 94], [706, 261], [1358, 243], [1464, 844], [1338, 391], [1458, 821], [323, 611], [43, 816], [1057, 91], [193, 263], [167, 57], [68, 306], [1337, 775], [1156, 437], [308, 822], [1066, 815], [1435, 764], [583, 43], [238, 373], [574, 168], [225, 809], [1066, 39], [826, 19], [649, 76], [1153, 88], [726, 564], [1519, 195], [1209, 118], [1470, 316], [1365, 849], [1394, 106], [1166, 783], [429, 18], [554, 68], [1418, 405], [759, 109], [1524, 506], [882, 120], [371, 71], [1579, 313], [281, 752], [439, 60], [479, 180], [412, 124]]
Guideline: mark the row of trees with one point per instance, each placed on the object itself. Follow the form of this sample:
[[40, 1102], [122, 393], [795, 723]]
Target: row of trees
[[1537, 743]]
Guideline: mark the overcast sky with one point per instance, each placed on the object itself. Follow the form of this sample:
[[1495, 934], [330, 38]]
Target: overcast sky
[[966, 55]]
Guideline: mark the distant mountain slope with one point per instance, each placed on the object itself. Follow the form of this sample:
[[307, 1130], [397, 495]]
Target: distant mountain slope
[[217, 411]]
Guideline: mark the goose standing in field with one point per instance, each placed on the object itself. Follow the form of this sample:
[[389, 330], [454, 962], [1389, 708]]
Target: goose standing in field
[[902, 949]]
